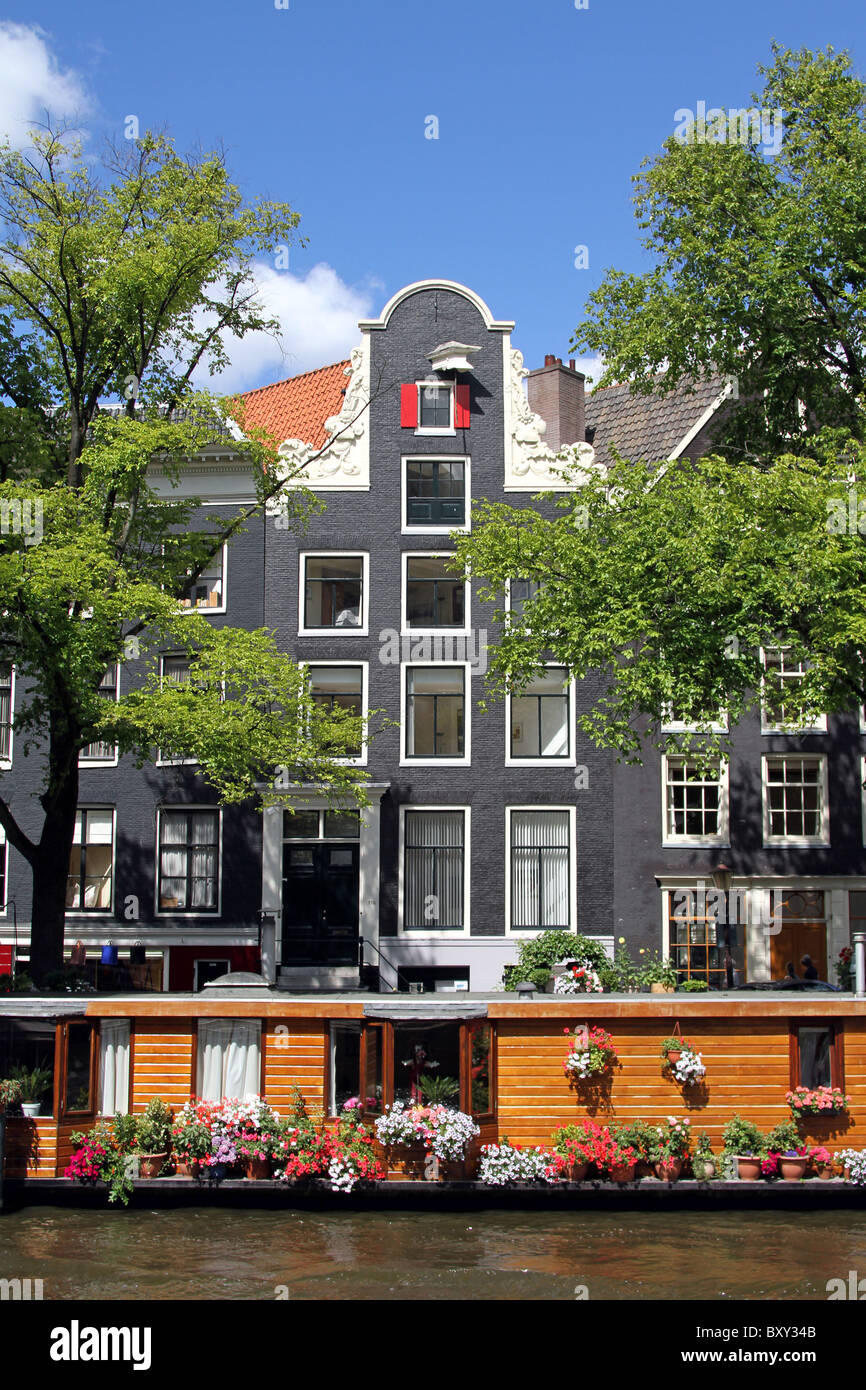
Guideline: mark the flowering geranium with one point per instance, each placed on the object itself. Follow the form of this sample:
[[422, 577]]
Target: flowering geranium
[[823, 1100], [673, 1142], [592, 1053], [504, 1163], [578, 979], [102, 1154], [443, 1132]]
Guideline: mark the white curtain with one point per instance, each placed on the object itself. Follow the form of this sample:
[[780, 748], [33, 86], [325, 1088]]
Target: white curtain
[[204, 859], [114, 1066], [434, 869], [228, 1059], [539, 869]]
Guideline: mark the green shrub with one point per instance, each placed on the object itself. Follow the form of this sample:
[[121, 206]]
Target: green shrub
[[694, 986], [535, 957], [743, 1137], [153, 1128]]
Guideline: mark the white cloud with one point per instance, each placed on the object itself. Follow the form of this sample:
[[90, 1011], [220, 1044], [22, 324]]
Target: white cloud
[[592, 368], [32, 84], [318, 315]]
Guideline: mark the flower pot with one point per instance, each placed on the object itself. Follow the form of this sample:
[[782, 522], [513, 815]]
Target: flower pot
[[825, 1171], [703, 1171], [31, 1108], [185, 1167], [674, 1057], [624, 1174], [643, 1169], [257, 1169], [408, 1163], [577, 1172], [669, 1169], [150, 1165], [792, 1169], [658, 988], [748, 1168]]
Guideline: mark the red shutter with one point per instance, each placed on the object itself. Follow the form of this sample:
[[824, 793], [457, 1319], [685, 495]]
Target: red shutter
[[409, 406], [461, 407]]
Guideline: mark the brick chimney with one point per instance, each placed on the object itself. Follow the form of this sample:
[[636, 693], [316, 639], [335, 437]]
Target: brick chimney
[[556, 393]]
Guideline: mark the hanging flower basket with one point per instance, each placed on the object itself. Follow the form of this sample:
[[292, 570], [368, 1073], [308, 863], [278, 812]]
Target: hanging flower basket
[[592, 1054], [823, 1100]]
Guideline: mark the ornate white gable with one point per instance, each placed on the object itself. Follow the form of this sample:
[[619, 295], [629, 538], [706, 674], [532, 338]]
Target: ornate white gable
[[343, 464], [530, 463]]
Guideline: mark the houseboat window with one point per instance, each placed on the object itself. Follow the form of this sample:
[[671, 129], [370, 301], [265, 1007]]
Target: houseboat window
[[77, 1091], [345, 1064], [427, 1063], [540, 858], [480, 1047], [88, 885], [372, 1070], [27, 1049], [229, 1058], [815, 1057], [114, 1066]]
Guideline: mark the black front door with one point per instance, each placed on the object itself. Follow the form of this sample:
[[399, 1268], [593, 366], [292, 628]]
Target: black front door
[[320, 903]]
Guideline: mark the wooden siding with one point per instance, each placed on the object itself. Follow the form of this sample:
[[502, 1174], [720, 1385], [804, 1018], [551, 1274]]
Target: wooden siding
[[162, 1061], [31, 1148], [295, 1053]]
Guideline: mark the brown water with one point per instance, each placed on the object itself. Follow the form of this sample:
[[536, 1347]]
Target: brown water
[[210, 1254]]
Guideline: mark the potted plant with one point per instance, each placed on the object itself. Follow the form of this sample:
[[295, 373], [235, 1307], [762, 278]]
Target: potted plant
[[592, 1054], [703, 1159], [570, 1142], [426, 1132], [153, 1137], [744, 1145], [657, 975], [785, 1155], [620, 1162], [821, 1160], [672, 1049], [671, 1148], [10, 1095], [576, 977], [191, 1138], [33, 1086], [641, 1137]]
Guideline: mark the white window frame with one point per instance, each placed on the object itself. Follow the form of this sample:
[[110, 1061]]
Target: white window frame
[[99, 913], [160, 760], [361, 760], [6, 763], [442, 933], [571, 717], [863, 800], [817, 726], [113, 760], [679, 726], [722, 838], [221, 608], [508, 608], [405, 629], [405, 759], [793, 841], [443, 430], [185, 912], [435, 529], [4, 859], [332, 632], [531, 933]]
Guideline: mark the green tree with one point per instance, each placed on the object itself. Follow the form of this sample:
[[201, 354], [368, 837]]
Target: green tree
[[759, 265], [122, 283]]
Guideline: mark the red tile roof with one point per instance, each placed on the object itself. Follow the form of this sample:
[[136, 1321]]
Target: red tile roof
[[297, 408]]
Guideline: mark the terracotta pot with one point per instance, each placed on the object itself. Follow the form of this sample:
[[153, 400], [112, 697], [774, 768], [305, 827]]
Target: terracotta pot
[[150, 1165], [625, 1174], [792, 1169], [185, 1168], [577, 1172], [669, 1170], [674, 1057], [748, 1169], [825, 1171], [257, 1169], [643, 1169], [658, 988]]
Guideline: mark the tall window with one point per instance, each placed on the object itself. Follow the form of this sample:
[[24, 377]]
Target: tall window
[[339, 688], [795, 800], [435, 705], [88, 884], [228, 1061], [208, 591], [782, 674], [699, 933], [435, 492], [540, 718], [434, 598], [332, 591], [114, 1066], [188, 861], [540, 848], [521, 592], [5, 712], [433, 867], [695, 799], [3, 862], [103, 752], [817, 1056], [175, 671]]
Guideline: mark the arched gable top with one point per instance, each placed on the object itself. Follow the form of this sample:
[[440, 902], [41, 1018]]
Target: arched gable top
[[504, 325]]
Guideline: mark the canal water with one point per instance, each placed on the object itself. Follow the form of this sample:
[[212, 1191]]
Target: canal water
[[205, 1253]]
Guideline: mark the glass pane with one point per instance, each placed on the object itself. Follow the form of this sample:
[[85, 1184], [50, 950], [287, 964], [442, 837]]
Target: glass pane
[[479, 1062], [333, 591], [78, 1068], [372, 1092], [345, 1065], [815, 1067], [342, 825], [427, 1063], [435, 407], [301, 825], [27, 1052]]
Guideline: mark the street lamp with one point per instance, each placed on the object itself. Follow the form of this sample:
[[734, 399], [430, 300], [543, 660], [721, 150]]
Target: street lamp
[[722, 880]]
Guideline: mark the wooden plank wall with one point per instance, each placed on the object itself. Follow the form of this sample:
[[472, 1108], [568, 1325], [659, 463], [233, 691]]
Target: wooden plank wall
[[31, 1148], [747, 1072], [162, 1061], [294, 1053]]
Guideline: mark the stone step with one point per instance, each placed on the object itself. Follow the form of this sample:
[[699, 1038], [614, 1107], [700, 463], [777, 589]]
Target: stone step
[[305, 979]]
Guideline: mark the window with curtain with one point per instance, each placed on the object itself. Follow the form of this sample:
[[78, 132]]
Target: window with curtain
[[114, 1066], [433, 870], [5, 711], [88, 884], [188, 861], [540, 869], [229, 1059]]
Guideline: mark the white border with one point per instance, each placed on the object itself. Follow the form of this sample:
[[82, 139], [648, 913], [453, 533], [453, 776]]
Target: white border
[[678, 726], [186, 913], [429, 431], [362, 631], [5, 859], [722, 839], [435, 529], [361, 760], [98, 913], [817, 726], [213, 612], [405, 759], [530, 933], [105, 762], [443, 933], [160, 760], [823, 840], [6, 763], [489, 321], [405, 629], [571, 718]]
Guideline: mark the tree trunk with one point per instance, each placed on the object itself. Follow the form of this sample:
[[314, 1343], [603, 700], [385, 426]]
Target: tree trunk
[[51, 864]]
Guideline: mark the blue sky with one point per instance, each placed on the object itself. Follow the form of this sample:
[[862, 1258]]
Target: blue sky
[[544, 113]]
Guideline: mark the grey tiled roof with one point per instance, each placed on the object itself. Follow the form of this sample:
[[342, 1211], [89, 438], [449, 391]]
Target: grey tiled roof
[[646, 428]]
